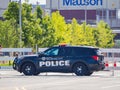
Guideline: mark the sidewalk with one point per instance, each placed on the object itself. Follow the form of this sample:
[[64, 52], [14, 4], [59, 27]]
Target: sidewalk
[[5, 67]]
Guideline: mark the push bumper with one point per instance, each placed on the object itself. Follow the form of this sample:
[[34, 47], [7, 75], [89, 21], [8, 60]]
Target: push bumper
[[16, 66]]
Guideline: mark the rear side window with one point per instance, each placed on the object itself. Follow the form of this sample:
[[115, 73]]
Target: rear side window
[[84, 51], [78, 51]]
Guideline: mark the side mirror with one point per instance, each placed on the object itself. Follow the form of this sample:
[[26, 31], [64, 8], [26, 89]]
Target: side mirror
[[41, 54]]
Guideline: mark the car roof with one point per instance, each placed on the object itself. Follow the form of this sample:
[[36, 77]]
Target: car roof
[[77, 46]]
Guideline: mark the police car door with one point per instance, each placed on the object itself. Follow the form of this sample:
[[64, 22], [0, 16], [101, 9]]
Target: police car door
[[52, 61]]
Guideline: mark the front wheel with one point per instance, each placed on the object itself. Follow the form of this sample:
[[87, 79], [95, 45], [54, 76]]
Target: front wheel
[[36, 73], [28, 69], [80, 69]]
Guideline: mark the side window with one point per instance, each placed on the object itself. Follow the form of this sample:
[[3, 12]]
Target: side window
[[62, 51], [81, 51], [65, 51], [77, 51], [52, 52], [94, 52], [68, 51]]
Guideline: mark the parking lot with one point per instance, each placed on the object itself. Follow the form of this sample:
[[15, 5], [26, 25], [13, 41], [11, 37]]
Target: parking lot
[[102, 80]]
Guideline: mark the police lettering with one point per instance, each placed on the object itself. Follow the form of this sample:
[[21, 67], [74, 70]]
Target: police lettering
[[54, 63], [82, 2]]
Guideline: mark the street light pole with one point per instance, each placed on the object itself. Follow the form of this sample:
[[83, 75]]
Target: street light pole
[[50, 7], [20, 22], [107, 12], [85, 22], [86, 14]]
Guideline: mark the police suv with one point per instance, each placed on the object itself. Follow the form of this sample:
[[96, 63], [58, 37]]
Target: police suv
[[81, 60]]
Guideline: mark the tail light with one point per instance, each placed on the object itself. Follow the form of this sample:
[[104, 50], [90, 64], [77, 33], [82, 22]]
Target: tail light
[[95, 57]]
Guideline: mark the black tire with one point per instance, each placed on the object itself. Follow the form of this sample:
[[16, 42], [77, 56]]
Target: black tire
[[88, 73], [28, 69], [36, 73], [80, 69]]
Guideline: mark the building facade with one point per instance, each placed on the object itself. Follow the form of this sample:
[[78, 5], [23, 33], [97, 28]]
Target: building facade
[[91, 11]]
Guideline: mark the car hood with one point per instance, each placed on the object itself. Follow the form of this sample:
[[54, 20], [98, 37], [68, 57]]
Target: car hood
[[27, 56]]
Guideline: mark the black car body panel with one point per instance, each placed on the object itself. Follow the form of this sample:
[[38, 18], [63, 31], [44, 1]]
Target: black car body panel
[[62, 59]]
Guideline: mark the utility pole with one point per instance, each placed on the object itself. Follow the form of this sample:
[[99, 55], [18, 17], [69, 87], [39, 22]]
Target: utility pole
[[50, 7], [85, 22], [86, 14], [107, 12], [20, 22]]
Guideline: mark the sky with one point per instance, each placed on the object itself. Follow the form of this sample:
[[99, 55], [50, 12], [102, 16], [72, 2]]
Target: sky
[[34, 1], [40, 1]]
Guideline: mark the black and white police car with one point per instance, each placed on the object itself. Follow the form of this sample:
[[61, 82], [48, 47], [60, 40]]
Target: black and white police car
[[81, 60]]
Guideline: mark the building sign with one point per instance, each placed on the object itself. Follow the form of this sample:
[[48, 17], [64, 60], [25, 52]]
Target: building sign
[[82, 2]]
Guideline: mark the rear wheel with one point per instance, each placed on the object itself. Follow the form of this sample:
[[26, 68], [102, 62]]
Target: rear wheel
[[28, 69], [80, 69], [89, 73]]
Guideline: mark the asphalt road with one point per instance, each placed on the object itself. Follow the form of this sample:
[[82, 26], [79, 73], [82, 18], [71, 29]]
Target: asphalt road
[[103, 80]]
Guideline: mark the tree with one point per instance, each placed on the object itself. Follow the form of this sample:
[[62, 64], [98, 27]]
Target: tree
[[81, 34], [104, 36], [31, 33], [8, 34], [76, 33], [12, 12], [27, 12], [28, 21], [61, 32], [39, 12], [48, 37], [47, 31]]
